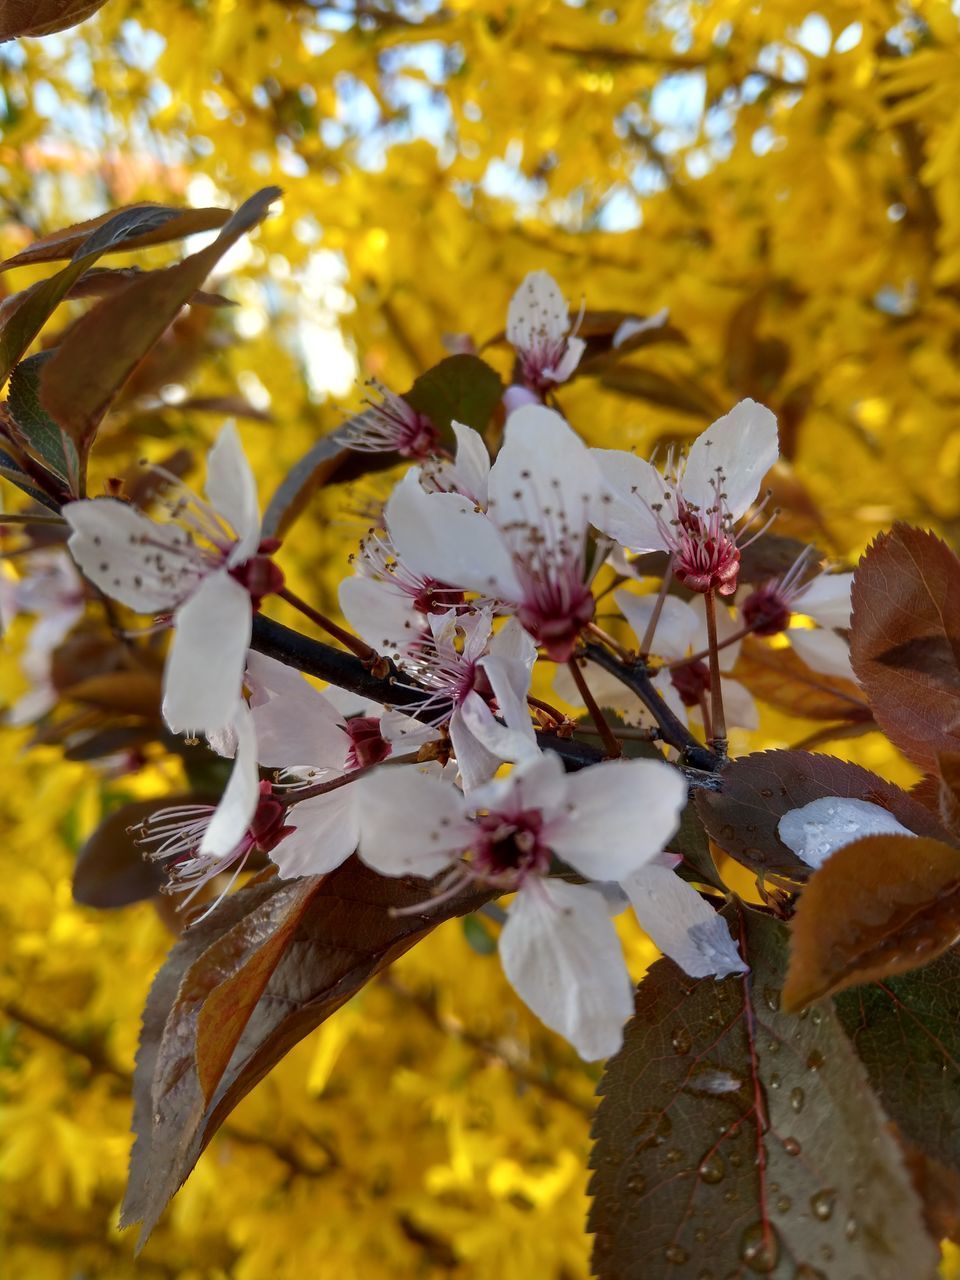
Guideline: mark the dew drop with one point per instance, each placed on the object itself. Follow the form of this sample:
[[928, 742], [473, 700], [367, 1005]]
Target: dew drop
[[673, 1156], [773, 1046], [681, 1040], [713, 1169], [676, 1255], [772, 998], [704, 1275], [775, 1080], [822, 1204], [791, 1146], [653, 1131], [760, 1248], [715, 1081], [796, 1099], [637, 1184], [816, 1017], [766, 792], [735, 1159], [851, 1227], [804, 1272], [815, 1061], [701, 1235], [784, 1204]]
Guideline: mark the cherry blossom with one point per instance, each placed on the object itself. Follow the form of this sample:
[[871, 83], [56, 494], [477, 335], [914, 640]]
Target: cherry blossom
[[559, 948], [818, 829], [208, 568], [392, 426], [52, 591], [824, 598], [531, 550], [693, 510], [538, 329]]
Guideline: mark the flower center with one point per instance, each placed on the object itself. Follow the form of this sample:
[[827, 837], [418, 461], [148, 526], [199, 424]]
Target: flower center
[[433, 596], [766, 610], [260, 575], [367, 744], [510, 847], [692, 681]]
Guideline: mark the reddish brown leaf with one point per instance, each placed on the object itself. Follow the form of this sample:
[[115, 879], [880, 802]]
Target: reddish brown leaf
[[231, 1001], [43, 17], [757, 790], [111, 869], [948, 790], [782, 679], [150, 224], [101, 351], [134, 693], [880, 906], [905, 641], [938, 1188], [771, 556]]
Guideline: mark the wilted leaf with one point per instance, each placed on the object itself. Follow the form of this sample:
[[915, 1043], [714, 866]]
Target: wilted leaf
[[906, 1031], [231, 1001], [758, 789], [135, 227], [111, 869], [782, 679], [877, 907], [35, 428], [905, 640], [461, 387], [100, 352], [43, 17], [734, 1139]]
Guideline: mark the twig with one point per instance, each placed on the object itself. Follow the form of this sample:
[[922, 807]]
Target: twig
[[717, 732], [351, 642], [612, 746]]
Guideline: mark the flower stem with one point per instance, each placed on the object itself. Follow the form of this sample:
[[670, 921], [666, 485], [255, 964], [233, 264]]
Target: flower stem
[[353, 643], [647, 642], [321, 788], [718, 724]]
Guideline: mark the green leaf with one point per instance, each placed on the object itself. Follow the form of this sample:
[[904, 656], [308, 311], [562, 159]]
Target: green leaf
[[38, 432], [462, 388], [478, 936], [733, 1139], [102, 349]]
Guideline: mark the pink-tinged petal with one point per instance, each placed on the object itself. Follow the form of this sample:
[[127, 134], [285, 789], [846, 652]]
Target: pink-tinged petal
[[823, 651], [443, 536], [545, 476], [410, 824], [677, 626], [326, 831], [617, 816], [743, 446], [572, 355], [203, 679], [147, 566], [561, 954], [827, 599], [515, 397], [537, 315], [386, 619], [232, 491], [820, 828], [681, 924], [472, 735], [634, 490], [238, 804], [634, 326]]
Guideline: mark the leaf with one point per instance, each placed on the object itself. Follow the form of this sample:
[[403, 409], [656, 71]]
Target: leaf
[[11, 469], [877, 907], [102, 349], [906, 1031], [782, 679], [324, 462], [142, 225], [656, 388], [691, 842], [111, 869], [135, 693], [43, 17], [37, 429], [905, 640], [733, 1139], [771, 556], [231, 1001], [461, 387], [948, 790], [758, 789], [99, 282]]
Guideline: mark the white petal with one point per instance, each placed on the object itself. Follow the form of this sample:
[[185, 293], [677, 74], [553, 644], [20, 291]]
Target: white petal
[[740, 708], [610, 693], [510, 682], [129, 557], [572, 354], [820, 828], [410, 824], [822, 650], [471, 467], [403, 731], [232, 491], [681, 924], [827, 599], [561, 954], [327, 830], [386, 619], [472, 739], [203, 679], [537, 782], [617, 816], [743, 445], [300, 731], [668, 692], [677, 626], [537, 313], [443, 536], [238, 803], [634, 326], [512, 642], [634, 489]]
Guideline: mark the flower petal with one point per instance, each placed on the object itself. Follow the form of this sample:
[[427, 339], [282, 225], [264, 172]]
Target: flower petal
[[561, 954], [822, 650], [204, 674], [827, 599], [147, 566], [741, 446], [383, 617], [326, 831], [617, 816], [537, 314], [471, 467], [232, 491], [634, 490], [472, 738], [677, 626], [681, 924], [410, 824], [238, 804], [820, 828]]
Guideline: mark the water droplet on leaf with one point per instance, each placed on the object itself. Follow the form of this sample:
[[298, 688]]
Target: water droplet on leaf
[[791, 1146], [797, 1099], [713, 1168], [822, 1204], [760, 1248], [676, 1255], [681, 1040]]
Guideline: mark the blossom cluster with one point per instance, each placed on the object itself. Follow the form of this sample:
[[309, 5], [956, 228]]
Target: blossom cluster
[[478, 576]]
